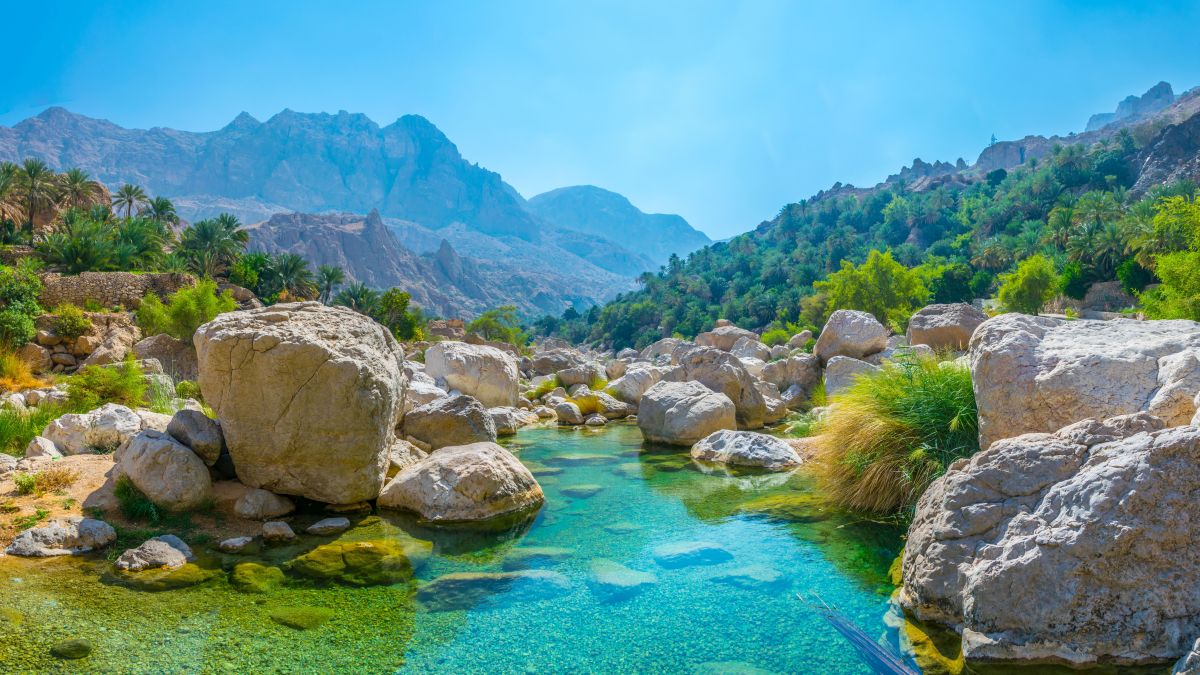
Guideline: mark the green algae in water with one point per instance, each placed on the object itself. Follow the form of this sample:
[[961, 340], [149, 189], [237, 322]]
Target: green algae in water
[[301, 618], [525, 599]]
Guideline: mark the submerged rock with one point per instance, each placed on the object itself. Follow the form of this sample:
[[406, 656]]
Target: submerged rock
[[329, 526], [1071, 547], [361, 563], [467, 590], [72, 650], [752, 578], [525, 557], [308, 397], [612, 581], [301, 618], [690, 554], [251, 577]]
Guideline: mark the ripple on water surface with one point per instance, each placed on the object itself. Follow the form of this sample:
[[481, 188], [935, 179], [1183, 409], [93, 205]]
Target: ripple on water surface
[[640, 562]]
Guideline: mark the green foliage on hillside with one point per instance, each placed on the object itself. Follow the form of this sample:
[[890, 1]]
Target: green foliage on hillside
[[1178, 297], [501, 325], [184, 311], [1029, 287], [1070, 207]]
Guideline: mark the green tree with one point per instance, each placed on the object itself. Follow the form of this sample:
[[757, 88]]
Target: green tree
[[881, 286], [39, 189], [212, 245], [184, 311], [161, 210], [501, 325], [1029, 286], [358, 297], [129, 197], [79, 190], [329, 277], [293, 275]]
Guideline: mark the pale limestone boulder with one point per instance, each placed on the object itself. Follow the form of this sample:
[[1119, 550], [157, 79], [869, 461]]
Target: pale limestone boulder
[[454, 420], [169, 473], [178, 358], [750, 347], [752, 365], [776, 407], [945, 326], [40, 446], [509, 421], [421, 390], [841, 371], [800, 370], [1071, 547], [486, 373], [162, 552], [1039, 374], [277, 531], [724, 337], [722, 372], [746, 449], [472, 482], [102, 429], [568, 413], [403, 454], [799, 340], [584, 373], [67, 536], [259, 504], [616, 368], [851, 333], [660, 352], [36, 356], [682, 413], [308, 397], [551, 361], [199, 432]]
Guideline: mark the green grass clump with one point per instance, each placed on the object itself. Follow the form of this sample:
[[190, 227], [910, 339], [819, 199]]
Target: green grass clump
[[893, 432], [544, 388], [96, 385], [54, 479], [134, 504], [188, 389], [597, 383], [26, 483], [26, 522], [17, 428]]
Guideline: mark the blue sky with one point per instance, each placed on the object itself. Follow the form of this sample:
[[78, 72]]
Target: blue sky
[[719, 111]]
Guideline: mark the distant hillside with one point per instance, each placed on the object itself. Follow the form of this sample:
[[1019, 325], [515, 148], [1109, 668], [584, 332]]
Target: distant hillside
[[600, 213], [408, 171]]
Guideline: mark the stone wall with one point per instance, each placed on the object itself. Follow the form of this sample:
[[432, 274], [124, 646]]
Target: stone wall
[[111, 336], [451, 329], [109, 289]]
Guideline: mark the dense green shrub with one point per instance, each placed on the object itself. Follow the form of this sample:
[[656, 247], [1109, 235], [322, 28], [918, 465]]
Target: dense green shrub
[[776, 336], [881, 286], [94, 386], [1178, 297], [187, 389], [502, 325], [185, 310], [894, 431], [16, 328], [1073, 283], [70, 322], [20, 287], [1029, 287], [1133, 277]]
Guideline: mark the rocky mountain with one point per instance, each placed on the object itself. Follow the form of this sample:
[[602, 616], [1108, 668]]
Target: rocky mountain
[[1135, 107], [441, 281], [409, 172], [598, 212]]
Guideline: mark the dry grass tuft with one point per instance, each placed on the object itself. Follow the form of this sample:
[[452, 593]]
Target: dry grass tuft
[[15, 373]]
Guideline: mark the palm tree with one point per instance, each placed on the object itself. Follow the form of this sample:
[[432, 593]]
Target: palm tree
[[161, 211], [39, 187], [129, 197], [1096, 208], [293, 276], [79, 190], [328, 277], [213, 244], [358, 297], [1059, 224], [1108, 249], [10, 194]]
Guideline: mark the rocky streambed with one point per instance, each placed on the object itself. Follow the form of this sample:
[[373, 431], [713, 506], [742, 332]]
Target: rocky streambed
[[639, 561]]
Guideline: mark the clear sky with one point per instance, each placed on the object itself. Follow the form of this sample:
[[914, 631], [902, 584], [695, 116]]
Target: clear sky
[[719, 111]]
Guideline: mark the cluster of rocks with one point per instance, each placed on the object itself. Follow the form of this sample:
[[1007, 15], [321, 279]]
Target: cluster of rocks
[[1067, 538]]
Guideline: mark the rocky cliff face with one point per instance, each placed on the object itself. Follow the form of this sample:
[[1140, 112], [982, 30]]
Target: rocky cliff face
[[607, 217], [1172, 155], [1156, 98]]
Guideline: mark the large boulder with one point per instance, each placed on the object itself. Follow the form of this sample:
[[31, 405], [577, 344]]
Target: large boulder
[[852, 333], [178, 358], [168, 472], [553, 360], [724, 337], [102, 429], [510, 420], [163, 552], [682, 413], [945, 326], [472, 482], [748, 347], [1039, 374], [70, 536], [637, 379], [801, 370], [841, 371], [308, 397], [455, 420], [484, 372], [724, 373], [422, 389], [1072, 547], [660, 352], [584, 373], [747, 449], [199, 432]]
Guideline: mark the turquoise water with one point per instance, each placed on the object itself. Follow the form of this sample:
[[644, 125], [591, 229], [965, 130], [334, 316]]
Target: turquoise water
[[608, 499]]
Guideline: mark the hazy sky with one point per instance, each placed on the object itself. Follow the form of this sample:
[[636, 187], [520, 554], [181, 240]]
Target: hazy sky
[[719, 111]]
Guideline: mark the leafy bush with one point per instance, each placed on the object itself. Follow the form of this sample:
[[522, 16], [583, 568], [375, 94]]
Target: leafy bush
[[70, 322], [1073, 283], [881, 286], [1133, 277], [502, 325], [96, 385], [1030, 286], [185, 310], [894, 431], [776, 336], [19, 288], [187, 389], [16, 328], [1178, 297], [134, 504], [26, 483]]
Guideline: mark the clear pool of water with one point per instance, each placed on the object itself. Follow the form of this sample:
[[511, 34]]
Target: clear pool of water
[[608, 501]]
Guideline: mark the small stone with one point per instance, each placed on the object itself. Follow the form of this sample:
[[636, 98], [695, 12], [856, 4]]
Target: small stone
[[329, 526], [690, 554], [277, 531], [163, 552], [582, 491], [258, 504], [40, 446], [301, 618], [72, 650], [235, 544]]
